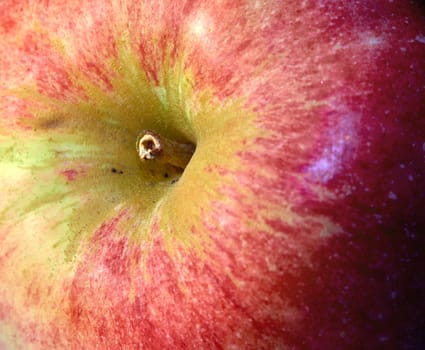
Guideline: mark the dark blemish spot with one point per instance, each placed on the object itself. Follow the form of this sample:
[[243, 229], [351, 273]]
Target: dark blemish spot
[[114, 170], [51, 123], [174, 181], [166, 175]]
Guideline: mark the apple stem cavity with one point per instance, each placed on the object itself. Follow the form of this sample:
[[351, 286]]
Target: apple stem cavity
[[151, 146]]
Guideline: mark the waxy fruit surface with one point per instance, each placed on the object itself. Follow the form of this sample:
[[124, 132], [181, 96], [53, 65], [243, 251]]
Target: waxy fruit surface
[[298, 222]]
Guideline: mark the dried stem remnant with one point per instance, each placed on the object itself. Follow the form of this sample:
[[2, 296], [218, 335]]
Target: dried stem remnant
[[152, 146]]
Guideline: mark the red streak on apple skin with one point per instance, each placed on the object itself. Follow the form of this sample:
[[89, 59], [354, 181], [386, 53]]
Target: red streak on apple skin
[[187, 303], [70, 174]]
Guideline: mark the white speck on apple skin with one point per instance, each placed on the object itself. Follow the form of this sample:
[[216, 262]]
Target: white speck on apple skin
[[373, 40], [392, 196], [420, 38], [270, 265]]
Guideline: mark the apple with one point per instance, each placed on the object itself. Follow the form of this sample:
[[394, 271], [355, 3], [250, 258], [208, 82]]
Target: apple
[[212, 174]]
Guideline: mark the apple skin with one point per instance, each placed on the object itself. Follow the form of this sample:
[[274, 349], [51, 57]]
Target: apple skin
[[298, 223]]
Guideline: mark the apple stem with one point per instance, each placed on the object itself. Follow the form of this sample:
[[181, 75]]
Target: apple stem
[[152, 146]]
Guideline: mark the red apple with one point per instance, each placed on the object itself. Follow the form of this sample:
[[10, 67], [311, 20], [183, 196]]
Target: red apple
[[298, 222]]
